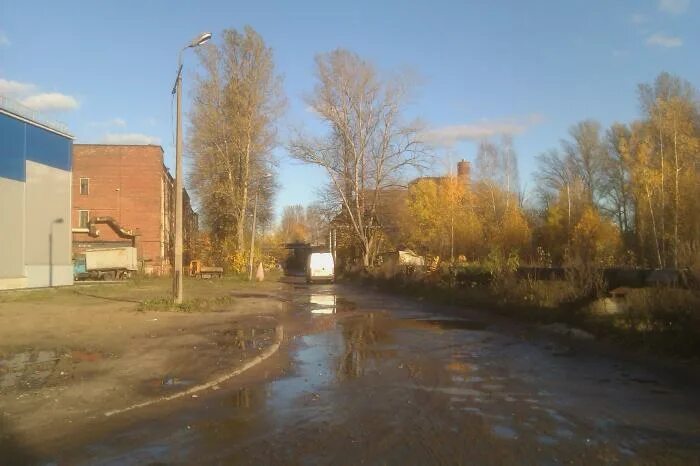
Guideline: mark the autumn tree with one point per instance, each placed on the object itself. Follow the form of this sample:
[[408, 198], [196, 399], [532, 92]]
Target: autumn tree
[[618, 201], [367, 146], [439, 218], [668, 156], [237, 100], [570, 180], [595, 239], [495, 197]]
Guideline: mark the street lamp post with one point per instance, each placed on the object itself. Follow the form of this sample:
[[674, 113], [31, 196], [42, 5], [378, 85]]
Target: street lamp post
[[177, 89], [58, 221], [252, 238]]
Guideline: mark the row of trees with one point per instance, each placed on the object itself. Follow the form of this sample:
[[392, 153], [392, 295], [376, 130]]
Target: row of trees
[[623, 195], [627, 193], [643, 176]]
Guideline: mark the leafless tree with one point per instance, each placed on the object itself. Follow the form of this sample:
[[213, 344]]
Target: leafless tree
[[497, 168], [367, 147], [586, 152]]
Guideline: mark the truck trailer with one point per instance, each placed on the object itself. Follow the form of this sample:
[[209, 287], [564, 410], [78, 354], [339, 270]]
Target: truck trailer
[[106, 264]]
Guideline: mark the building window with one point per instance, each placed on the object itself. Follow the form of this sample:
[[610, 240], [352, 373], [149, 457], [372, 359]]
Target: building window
[[85, 186], [84, 218]]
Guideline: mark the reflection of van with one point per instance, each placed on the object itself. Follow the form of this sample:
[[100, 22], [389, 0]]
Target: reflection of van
[[320, 266]]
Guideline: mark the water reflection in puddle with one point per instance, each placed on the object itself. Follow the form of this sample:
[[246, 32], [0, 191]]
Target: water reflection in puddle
[[329, 304], [454, 324], [505, 432], [322, 303]]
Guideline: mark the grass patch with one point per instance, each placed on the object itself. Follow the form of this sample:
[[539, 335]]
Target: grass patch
[[192, 305]]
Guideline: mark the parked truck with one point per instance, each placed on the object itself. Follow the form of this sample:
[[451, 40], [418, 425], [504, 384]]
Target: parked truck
[[106, 264]]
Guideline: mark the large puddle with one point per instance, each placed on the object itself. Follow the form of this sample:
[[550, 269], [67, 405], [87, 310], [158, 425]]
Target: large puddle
[[370, 386]]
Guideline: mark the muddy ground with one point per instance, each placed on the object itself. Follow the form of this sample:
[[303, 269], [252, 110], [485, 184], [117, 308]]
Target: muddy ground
[[364, 377], [68, 356]]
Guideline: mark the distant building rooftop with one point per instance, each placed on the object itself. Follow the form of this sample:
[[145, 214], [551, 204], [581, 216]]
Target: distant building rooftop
[[14, 108]]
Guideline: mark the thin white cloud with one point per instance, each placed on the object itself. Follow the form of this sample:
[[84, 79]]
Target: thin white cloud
[[674, 7], [15, 88], [4, 41], [50, 101], [114, 122], [639, 18], [151, 121], [130, 138], [662, 40], [450, 135]]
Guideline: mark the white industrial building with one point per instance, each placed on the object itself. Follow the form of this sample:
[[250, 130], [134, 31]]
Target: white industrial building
[[35, 200]]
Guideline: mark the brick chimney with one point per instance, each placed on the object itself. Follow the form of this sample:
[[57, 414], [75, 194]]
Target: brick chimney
[[463, 169]]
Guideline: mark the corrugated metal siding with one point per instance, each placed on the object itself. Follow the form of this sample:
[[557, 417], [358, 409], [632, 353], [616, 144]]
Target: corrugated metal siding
[[12, 148], [48, 148], [21, 141]]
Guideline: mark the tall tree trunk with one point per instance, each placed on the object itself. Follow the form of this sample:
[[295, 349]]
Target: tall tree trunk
[[663, 203], [653, 224], [245, 175], [676, 196]]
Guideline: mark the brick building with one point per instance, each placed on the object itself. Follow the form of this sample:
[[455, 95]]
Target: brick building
[[131, 184]]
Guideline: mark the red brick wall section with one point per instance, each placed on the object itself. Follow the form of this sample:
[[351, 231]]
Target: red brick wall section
[[125, 183]]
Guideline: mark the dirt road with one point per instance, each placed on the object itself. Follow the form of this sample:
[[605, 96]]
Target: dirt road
[[370, 378], [69, 356]]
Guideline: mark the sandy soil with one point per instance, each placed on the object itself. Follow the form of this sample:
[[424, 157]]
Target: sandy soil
[[68, 356]]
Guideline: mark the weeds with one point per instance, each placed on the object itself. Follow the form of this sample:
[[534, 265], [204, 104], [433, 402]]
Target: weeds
[[192, 305], [665, 320]]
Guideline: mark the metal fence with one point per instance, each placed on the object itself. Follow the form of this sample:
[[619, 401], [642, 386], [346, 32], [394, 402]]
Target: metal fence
[[12, 106]]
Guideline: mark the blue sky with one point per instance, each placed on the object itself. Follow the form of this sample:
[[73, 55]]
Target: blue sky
[[530, 67]]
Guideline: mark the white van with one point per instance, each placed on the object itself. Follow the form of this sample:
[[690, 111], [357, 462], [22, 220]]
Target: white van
[[320, 266]]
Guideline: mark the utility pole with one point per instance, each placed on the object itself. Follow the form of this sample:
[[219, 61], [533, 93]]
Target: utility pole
[[177, 89], [452, 238], [252, 231], [252, 238], [335, 244], [177, 275]]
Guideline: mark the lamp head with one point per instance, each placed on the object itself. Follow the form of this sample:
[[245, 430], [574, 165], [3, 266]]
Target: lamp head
[[201, 39]]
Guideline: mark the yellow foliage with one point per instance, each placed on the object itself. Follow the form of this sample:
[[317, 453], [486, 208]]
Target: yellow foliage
[[238, 262], [514, 233], [595, 240]]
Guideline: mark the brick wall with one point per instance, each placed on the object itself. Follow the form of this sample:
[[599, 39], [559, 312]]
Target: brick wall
[[130, 184]]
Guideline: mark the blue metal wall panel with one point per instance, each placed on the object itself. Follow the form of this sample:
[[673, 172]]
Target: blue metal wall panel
[[48, 148], [12, 148]]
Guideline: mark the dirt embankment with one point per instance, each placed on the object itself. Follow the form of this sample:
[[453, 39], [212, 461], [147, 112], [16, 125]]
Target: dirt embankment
[[69, 356]]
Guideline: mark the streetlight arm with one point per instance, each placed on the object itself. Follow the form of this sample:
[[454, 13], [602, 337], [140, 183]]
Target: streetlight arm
[[179, 68]]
